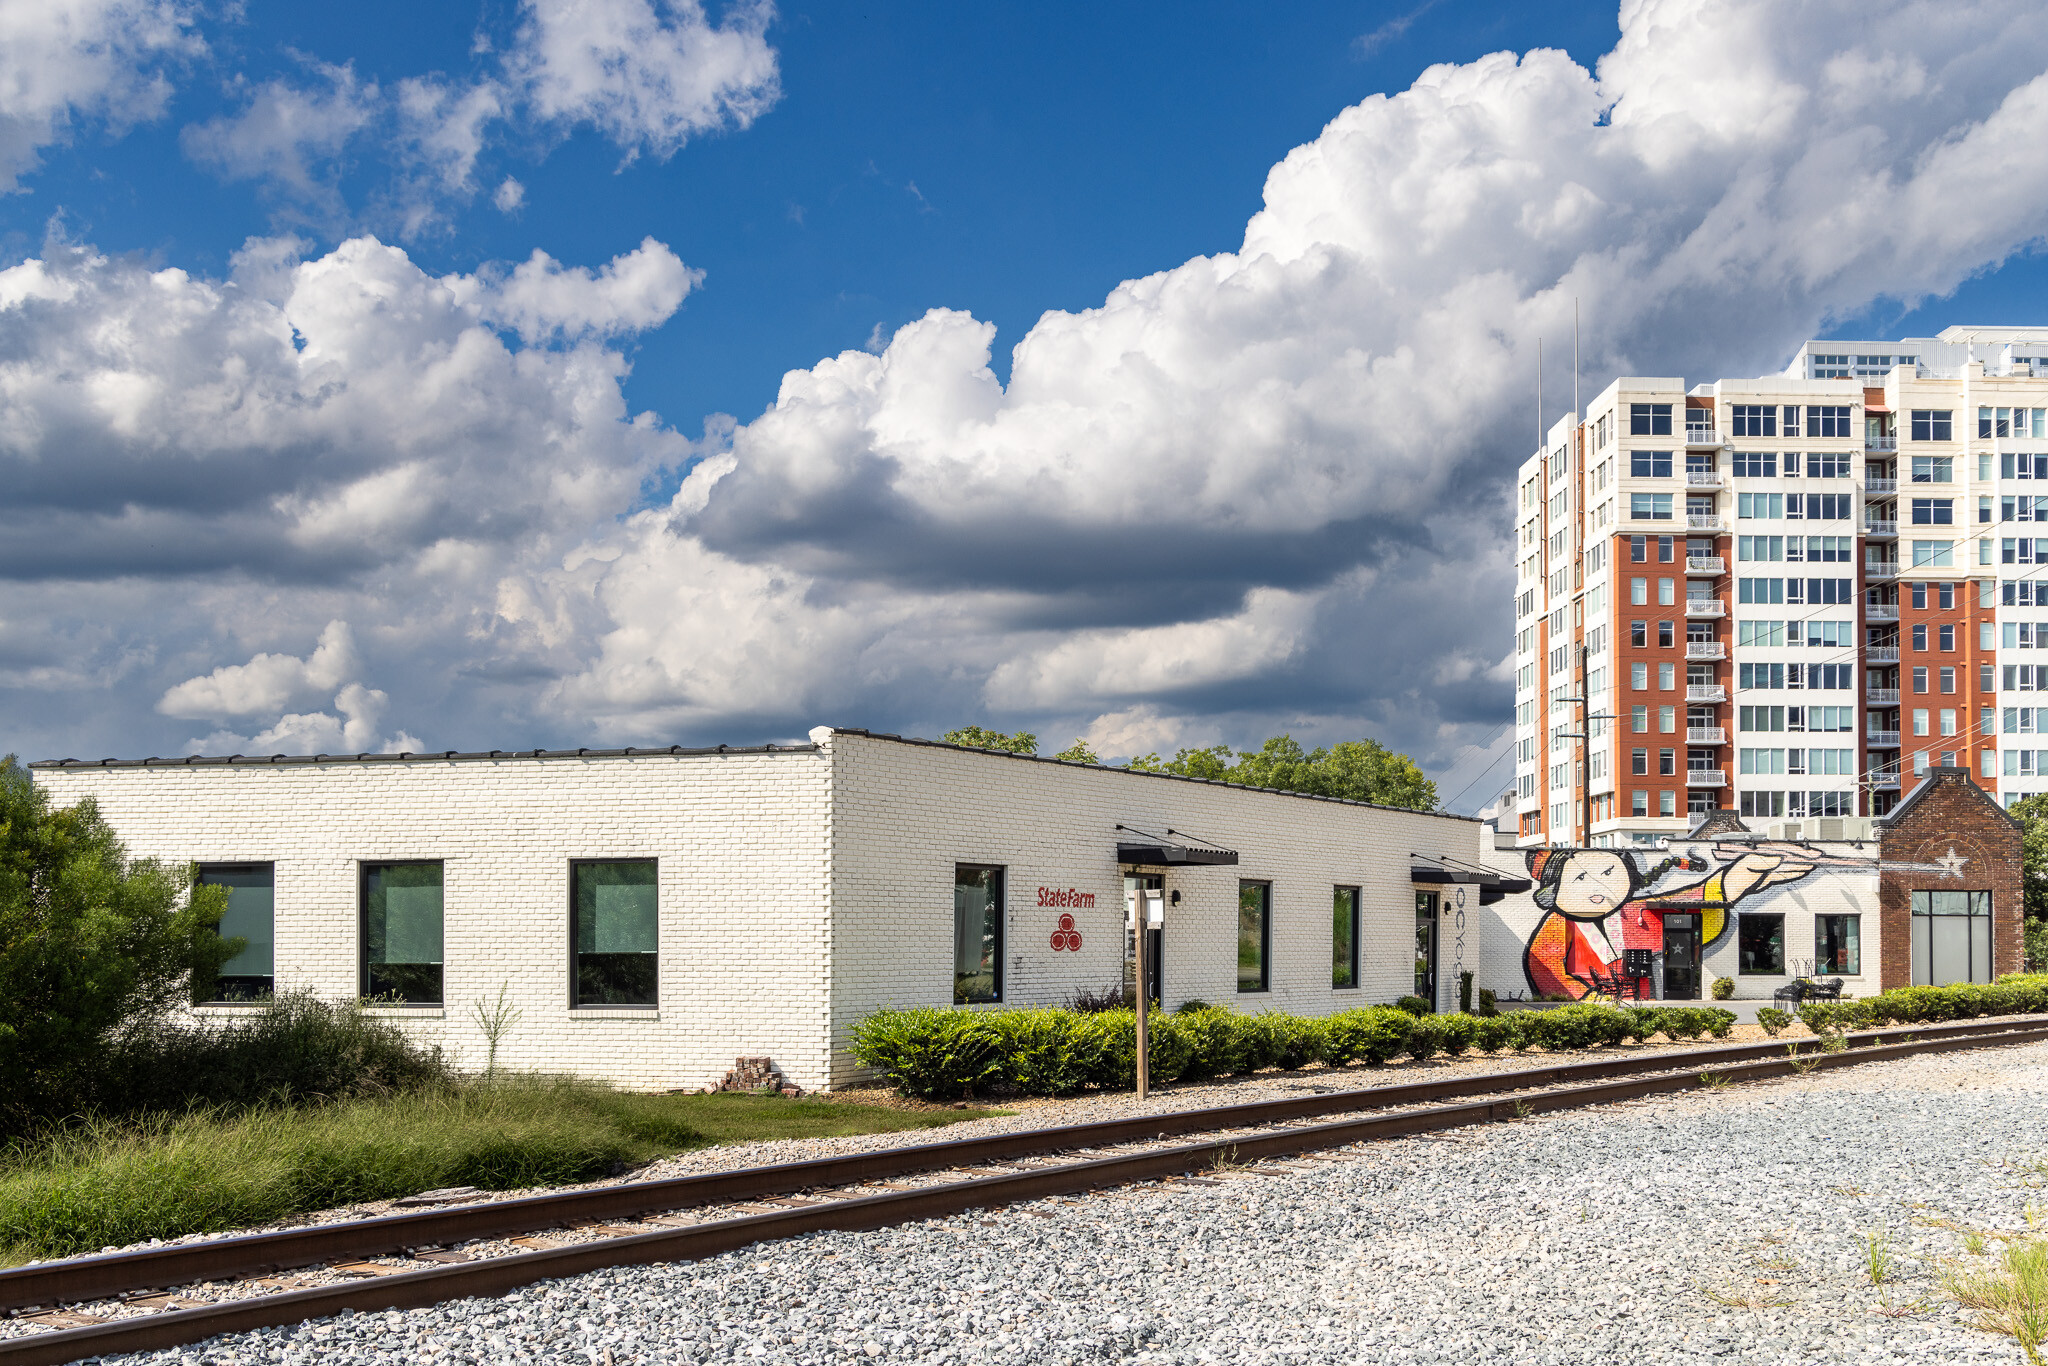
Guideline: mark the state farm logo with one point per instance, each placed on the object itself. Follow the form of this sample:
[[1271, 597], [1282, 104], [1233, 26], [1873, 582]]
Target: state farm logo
[[1066, 896], [1066, 936]]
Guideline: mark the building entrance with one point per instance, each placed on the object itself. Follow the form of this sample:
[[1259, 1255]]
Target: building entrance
[[1681, 958], [1425, 946], [1143, 898]]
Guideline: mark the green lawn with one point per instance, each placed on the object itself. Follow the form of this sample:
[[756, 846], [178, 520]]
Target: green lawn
[[117, 1183]]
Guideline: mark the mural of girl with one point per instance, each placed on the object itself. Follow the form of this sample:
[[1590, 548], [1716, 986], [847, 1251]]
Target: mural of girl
[[1595, 910]]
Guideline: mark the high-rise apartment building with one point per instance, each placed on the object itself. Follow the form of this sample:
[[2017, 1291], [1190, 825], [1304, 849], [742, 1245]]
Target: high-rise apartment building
[[1785, 596]]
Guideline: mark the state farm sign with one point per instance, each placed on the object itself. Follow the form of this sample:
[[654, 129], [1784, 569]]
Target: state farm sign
[[1066, 896]]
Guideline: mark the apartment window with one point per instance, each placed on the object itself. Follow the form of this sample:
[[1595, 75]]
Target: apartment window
[[1760, 942], [1755, 465], [1639, 677], [1650, 464], [1827, 421], [1933, 424], [1638, 592], [1920, 638], [1666, 549], [1945, 596], [1934, 511], [1951, 937], [615, 932], [1933, 469], [1649, 419], [1838, 944], [1948, 721], [1344, 934], [1639, 720], [1667, 762], [1667, 719], [1947, 636], [977, 933], [1919, 596], [1948, 678], [1254, 934], [1638, 803], [1937, 554], [1920, 678], [401, 932], [1920, 717], [1664, 633], [1667, 677], [1639, 763], [1639, 633], [1638, 549], [1650, 507], [251, 918], [1755, 419], [1667, 803], [1666, 593]]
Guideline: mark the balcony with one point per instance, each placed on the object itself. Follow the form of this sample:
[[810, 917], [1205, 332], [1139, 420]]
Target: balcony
[[1881, 571], [1881, 697], [1882, 739], [1703, 479], [1705, 649], [1705, 564], [1704, 521], [1705, 607], [1876, 488], [1703, 436], [1882, 611], [1714, 692], [1877, 527], [1706, 777], [1880, 654], [1884, 779], [1877, 445], [1706, 735]]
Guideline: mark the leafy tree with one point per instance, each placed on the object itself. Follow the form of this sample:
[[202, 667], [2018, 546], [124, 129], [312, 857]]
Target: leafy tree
[[978, 737], [2032, 814], [1079, 752], [90, 942], [1357, 770]]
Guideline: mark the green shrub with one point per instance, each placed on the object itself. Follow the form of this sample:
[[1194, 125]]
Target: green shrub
[[1216, 1040], [1044, 1052], [932, 1053], [1575, 1026], [1426, 1040], [1491, 1033], [1169, 1047], [1464, 993], [1682, 1024], [1642, 1022], [1415, 1005], [1190, 1006], [1489, 1004], [1304, 1039], [1772, 1020], [1263, 1040], [1457, 1031], [1724, 988], [1719, 1021], [1370, 1034]]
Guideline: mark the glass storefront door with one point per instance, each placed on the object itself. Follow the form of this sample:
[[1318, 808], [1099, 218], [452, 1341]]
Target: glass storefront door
[[1681, 958], [1153, 888], [1425, 946]]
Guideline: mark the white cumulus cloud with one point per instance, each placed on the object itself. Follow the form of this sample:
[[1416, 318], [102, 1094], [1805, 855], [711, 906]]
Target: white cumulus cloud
[[63, 60]]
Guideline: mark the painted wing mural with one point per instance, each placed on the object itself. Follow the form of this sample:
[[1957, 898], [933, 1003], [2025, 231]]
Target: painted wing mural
[[1596, 906]]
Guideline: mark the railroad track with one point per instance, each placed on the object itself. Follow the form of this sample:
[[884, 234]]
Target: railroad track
[[171, 1296]]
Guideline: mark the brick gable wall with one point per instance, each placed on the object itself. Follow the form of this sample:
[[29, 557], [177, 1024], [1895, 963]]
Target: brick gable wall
[[1949, 815]]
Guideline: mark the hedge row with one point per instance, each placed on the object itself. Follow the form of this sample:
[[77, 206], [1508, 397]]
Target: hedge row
[[2014, 994], [938, 1054]]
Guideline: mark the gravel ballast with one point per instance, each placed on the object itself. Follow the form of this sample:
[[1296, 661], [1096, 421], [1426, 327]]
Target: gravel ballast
[[1727, 1224]]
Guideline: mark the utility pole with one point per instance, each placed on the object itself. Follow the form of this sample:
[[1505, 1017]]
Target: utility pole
[[1139, 934]]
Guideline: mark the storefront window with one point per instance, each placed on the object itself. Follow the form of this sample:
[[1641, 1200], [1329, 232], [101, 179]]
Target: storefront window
[[1760, 943], [250, 917], [1344, 938], [977, 933], [1254, 934], [615, 933], [401, 909], [1951, 938], [1838, 944]]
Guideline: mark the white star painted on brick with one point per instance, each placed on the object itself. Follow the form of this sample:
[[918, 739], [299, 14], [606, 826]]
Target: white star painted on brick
[[1952, 864]]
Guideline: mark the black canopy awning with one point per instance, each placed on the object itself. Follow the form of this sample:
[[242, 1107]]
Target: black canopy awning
[[1440, 870], [1155, 851]]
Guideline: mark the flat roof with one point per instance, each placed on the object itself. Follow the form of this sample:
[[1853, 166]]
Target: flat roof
[[636, 752]]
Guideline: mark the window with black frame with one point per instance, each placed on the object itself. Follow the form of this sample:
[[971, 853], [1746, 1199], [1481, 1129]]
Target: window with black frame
[[615, 930], [977, 933], [1254, 934], [251, 918], [1838, 944], [1760, 945], [401, 933], [1344, 938]]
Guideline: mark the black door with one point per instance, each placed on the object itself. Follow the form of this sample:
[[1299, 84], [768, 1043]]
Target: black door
[[1138, 891], [1681, 958], [1425, 947]]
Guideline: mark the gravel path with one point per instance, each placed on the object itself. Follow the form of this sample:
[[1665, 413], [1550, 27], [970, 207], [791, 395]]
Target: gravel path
[[1719, 1225]]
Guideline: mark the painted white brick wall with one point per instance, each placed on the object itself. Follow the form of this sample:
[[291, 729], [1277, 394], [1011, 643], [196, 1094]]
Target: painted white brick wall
[[742, 890]]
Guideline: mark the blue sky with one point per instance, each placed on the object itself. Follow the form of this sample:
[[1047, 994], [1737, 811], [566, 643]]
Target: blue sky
[[352, 359]]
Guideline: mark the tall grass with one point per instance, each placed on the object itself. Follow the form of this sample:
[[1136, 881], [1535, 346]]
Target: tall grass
[[2012, 1297]]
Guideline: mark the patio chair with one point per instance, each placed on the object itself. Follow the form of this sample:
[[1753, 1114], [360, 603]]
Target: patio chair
[[1792, 993], [1830, 990]]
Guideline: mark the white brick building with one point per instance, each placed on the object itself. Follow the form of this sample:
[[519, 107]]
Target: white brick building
[[656, 913]]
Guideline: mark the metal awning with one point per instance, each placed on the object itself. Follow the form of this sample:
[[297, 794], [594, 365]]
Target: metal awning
[[1441, 870], [1157, 851]]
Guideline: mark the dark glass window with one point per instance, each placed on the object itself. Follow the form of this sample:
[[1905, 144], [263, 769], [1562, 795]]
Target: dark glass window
[[615, 932], [1649, 419], [1651, 464], [977, 933], [1838, 944], [1756, 419], [1761, 945], [251, 918], [401, 927], [1344, 937], [1254, 934], [1932, 424]]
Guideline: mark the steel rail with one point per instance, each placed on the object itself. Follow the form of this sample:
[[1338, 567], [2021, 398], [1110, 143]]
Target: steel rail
[[491, 1276], [104, 1276]]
